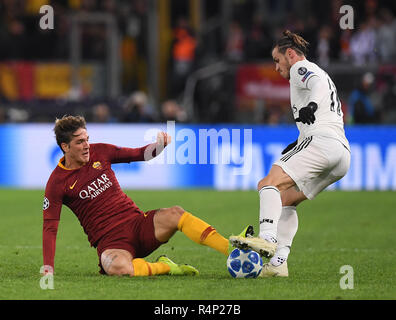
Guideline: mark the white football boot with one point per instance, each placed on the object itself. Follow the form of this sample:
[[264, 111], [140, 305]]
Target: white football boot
[[264, 247], [269, 270]]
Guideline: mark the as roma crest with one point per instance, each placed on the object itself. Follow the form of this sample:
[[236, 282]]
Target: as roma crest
[[97, 165]]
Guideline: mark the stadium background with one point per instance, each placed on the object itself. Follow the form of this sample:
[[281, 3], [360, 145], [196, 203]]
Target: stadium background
[[131, 66]]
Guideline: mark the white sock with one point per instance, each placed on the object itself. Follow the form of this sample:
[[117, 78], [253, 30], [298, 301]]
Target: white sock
[[270, 211], [287, 229], [277, 260]]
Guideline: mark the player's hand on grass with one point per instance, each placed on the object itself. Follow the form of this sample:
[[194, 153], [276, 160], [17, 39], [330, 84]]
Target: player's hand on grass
[[306, 115], [289, 147], [46, 270]]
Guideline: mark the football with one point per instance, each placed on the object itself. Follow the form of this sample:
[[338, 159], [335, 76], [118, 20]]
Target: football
[[244, 264]]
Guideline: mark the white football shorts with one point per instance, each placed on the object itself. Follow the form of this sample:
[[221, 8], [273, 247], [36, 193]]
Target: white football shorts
[[315, 163]]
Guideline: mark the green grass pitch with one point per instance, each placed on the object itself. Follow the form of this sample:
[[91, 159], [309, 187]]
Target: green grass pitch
[[335, 229]]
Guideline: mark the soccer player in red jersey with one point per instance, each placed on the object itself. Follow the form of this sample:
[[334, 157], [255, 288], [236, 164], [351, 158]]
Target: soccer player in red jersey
[[122, 234]]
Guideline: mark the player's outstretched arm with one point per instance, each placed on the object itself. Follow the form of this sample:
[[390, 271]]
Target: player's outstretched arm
[[50, 230], [154, 149], [126, 155]]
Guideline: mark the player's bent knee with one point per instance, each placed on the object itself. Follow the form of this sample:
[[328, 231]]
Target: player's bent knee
[[167, 219], [120, 271], [175, 214], [116, 265], [177, 210], [267, 181]]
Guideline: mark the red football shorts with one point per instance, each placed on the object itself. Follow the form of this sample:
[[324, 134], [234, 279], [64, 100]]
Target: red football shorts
[[135, 236]]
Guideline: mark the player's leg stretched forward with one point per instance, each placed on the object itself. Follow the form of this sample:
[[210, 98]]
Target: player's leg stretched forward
[[169, 220], [270, 189], [278, 221], [286, 230], [166, 222]]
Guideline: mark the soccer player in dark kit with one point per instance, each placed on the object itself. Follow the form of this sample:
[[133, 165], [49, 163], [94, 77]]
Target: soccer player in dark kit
[[122, 234]]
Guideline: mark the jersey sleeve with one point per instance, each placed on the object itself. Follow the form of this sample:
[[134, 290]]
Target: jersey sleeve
[[50, 230], [52, 206], [117, 154], [301, 74], [318, 89]]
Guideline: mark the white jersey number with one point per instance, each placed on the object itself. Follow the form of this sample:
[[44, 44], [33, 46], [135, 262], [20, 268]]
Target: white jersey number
[[334, 97]]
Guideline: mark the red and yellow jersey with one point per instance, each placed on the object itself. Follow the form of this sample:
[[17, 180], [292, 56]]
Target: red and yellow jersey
[[92, 192]]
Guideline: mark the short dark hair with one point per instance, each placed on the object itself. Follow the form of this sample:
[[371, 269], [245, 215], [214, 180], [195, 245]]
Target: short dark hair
[[66, 126], [293, 41]]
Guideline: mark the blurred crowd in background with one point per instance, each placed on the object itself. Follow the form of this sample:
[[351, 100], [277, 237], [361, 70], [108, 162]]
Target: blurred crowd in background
[[233, 33]]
